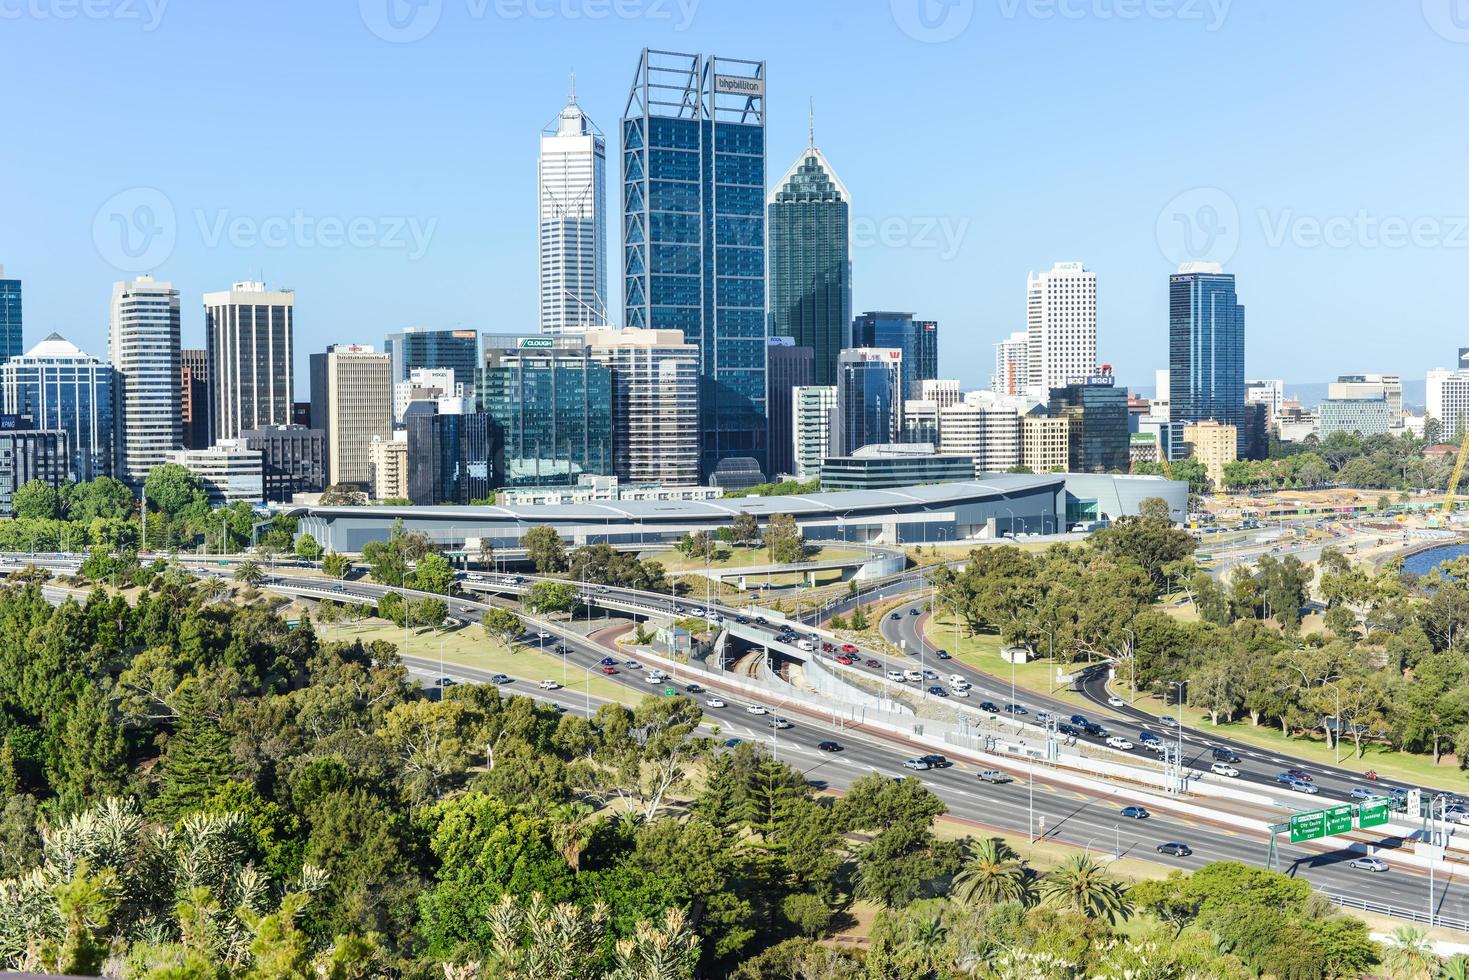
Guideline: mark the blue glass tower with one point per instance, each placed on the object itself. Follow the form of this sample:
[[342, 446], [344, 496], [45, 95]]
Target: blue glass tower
[[917, 339], [10, 333], [693, 259], [1206, 347]]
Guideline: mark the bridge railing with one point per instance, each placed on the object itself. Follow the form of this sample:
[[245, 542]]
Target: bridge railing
[[1398, 912]]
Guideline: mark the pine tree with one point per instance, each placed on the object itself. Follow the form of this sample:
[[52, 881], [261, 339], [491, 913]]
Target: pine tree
[[197, 760], [92, 759]]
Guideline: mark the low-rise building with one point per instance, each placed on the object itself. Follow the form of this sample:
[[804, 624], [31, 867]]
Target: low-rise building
[[388, 459], [881, 467], [1045, 443], [293, 459], [28, 454], [1213, 445], [229, 471], [1355, 416]]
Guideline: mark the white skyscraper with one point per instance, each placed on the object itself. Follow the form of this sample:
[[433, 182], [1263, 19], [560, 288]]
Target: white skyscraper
[[1012, 359], [572, 176], [1061, 326], [143, 347], [1448, 400], [249, 334]]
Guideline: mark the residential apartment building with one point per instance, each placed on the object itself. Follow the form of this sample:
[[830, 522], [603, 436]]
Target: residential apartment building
[[143, 348], [388, 458], [655, 402], [812, 407], [230, 472], [989, 433], [1214, 445], [1012, 365], [351, 401]]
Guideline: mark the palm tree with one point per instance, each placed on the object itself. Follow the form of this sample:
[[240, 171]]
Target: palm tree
[[993, 873], [1083, 885], [1409, 955], [249, 573], [1455, 968]]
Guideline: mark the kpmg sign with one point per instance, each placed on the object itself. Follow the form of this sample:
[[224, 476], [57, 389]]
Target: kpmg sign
[[1092, 381], [738, 85]]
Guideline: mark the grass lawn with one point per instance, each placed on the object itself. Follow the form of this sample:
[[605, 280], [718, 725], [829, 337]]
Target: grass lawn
[[741, 557], [469, 647], [982, 652], [933, 554]]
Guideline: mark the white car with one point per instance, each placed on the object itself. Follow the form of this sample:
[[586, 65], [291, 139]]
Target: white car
[[714, 702], [961, 692], [960, 685], [895, 675], [549, 685], [1116, 702], [757, 709], [652, 679], [957, 679], [1223, 769], [1117, 742], [543, 635]]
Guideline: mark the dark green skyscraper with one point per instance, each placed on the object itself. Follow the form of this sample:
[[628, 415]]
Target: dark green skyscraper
[[809, 215]]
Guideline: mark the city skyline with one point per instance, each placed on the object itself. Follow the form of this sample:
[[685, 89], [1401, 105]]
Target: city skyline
[[1115, 220]]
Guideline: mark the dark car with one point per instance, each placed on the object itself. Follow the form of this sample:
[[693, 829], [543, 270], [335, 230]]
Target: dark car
[[828, 647], [938, 692], [1148, 738], [989, 706], [1176, 848], [694, 689], [1225, 755], [828, 746], [1300, 774], [1016, 709], [1135, 813], [869, 662], [1094, 730], [936, 761], [562, 648], [760, 620], [913, 611], [943, 655], [896, 616], [1069, 730], [608, 662], [1078, 720]]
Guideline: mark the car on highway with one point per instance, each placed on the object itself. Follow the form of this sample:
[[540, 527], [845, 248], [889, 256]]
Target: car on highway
[[994, 776], [961, 692], [1367, 864], [1167, 722], [633, 665], [828, 746], [1118, 742], [500, 679], [608, 662], [549, 685], [913, 611], [1176, 848], [942, 655], [447, 682], [760, 620], [1043, 715], [1148, 738], [849, 648], [828, 648], [896, 616], [937, 691], [912, 675], [1225, 755], [895, 675], [543, 635], [1116, 702], [694, 688], [936, 761], [654, 679], [1016, 709], [714, 702], [562, 648], [956, 679], [870, 662], [1223, 769], [989, 706], [609, 670], [780, 723], [917, 765], [1363, 793], [1135, 812], [844, 660], [757, 709], [930, 675], [1094, 730], [1300, 774], [1297, 785], [1079, 720]]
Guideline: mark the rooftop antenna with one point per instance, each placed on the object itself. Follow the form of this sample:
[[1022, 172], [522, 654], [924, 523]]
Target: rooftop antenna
[[811, 121], [573, 86]]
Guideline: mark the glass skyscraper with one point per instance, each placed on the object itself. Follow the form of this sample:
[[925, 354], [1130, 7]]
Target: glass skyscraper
[[11, 338], [810, 262], [62, 388], [434, 350], [869, 400], [917, 339], [693, 226], [1206, 347]]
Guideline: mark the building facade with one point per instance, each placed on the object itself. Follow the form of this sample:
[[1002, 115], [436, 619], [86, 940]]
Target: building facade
[[1447, 401], [571, 178], [230, 472], [194, 396], [61, 388], [1388, 387], [790, 367], [989, 434], [1045, 443], [419, 348], [1012, 365], [143, 348], [655, 404], [450, 455], [12, 337], [1098, 436], [28, 454], [882, 470], [292, 460], [351, 402], [249, 334], [388, 458], [810, 264], [869, 399], [693, 195], [1206, 347], [1214, 445], [812, 408], [1061, 326], [1354, 416], [917, 339]]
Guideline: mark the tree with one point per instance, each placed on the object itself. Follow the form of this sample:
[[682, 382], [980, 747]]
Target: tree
[[170, 488], [992, 873], [101, 499], [336, 565], [1085, 886], [248, 573], [433, 573], [426, 612], [784, 540], [197, 761], [544, 549], [385, 561], [551, 597], [37, 500], [1149, 539], [308, 548], [1409, 955], [744, 528], [503, 625]]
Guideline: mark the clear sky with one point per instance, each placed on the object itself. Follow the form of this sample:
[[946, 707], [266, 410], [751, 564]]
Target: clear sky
[[1318, 147]]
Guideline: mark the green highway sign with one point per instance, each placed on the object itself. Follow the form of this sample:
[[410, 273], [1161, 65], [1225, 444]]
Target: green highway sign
[[1339, 820], [1373, 812], [1310, 825]]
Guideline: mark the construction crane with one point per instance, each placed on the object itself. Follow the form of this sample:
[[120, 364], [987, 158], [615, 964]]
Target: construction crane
[[1458, 474]]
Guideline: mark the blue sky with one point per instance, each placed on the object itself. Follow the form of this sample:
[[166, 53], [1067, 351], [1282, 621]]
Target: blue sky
[[1318, 146]]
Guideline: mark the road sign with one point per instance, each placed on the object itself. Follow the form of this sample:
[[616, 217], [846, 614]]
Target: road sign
[[1339, 820], [1373, 812], [1310, 825]]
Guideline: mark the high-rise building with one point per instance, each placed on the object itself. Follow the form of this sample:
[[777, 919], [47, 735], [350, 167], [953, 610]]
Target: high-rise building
[[551, 403], [388, 458], [941, 391], [920, 421], [1257, 431], [194, 396], [1206, 347], [1447, 401], [249, 333], [1214, 445], [1098, 437], [917, 339], [419, 348], [27, 454], [869, 407], [1045, 443], [450, 454], [1271, 394], [655, 404], [989, 433], [429, 384], [351, 401], [572, 179], [810, 263], [12, 339], [1012, 359], [789, 367], [292, 459], [143, 348], [812, 408], [1061, 326], [59, 387], [230, 472], [1161, 408], [693, 195]]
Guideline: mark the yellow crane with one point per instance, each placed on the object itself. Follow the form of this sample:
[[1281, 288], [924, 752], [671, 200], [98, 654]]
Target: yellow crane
[[1458, 474]]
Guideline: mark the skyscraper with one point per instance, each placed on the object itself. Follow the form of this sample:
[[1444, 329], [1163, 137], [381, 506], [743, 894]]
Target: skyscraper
[[1012, 357], [917, 339], [693, 194], [194, 396], [810, 264], [143, 347], [351, 401], [1098, 434], [655, 404], [61, 388], [249, 333], [869, 405], [572, 178], [790, 367], [812, 408], [11, 338], [1206, 347], [1061, 326], [415, 348]]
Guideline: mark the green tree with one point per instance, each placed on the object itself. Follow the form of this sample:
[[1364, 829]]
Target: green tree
[[101, 499], [92, 761], [744, 528], [551, 597], [433, 573], [992, 873], [171, 488], [1085, 886], [503, 625], [36, 499], [544, 549], [197, 760], [385, 561], [248, 572], [308, 548], [784, 540], [336, 565]]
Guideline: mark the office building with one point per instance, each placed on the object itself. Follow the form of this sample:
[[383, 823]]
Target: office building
[[351, 401], [1012, 359], [869, 406], [1354, 416], [693, 195], [1206, 347], [604, 490], [655, 404], [1098, 436], [419, 348], [388, 458], [1143, 448], [12, 337], [450, 454], [1270, 393], [301, 413], [1161, 407], [941, 391], [194, 396], [27, 454], [810, 265], [987, 432], [551, 403], [230, 472], [1447, 400], [143, 348], [917, 339], [61, 388], [1257, 431], [1061, 326], [571, 177], [1388, 387], [427, 384], [1213, 444], [812, 408], [248, 331], [292, 460], [893, 467], [789, 367], [920, 421], [1045, 443]]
